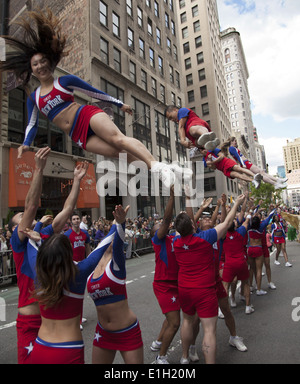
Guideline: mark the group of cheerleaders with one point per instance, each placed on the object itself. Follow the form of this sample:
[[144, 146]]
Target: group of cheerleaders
[[45, 262]]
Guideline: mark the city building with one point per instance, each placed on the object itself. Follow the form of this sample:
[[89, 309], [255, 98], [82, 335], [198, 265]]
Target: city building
[[237, 74], [129, 50], [291, 154], [204, 79]]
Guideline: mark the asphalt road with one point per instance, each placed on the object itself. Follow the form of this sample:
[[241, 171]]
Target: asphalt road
[[271, 333]]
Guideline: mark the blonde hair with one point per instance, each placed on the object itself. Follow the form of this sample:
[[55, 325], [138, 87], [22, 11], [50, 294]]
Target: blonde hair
[[224, 147]]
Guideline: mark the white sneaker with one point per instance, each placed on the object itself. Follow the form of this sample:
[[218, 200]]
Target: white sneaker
[[276, 262], [161, 360], [271, 285], [220, 314], [249, 309], [184, 360], [237, 342], [155, 346], [287, 264], [232, 302], [282, 180], [186, 172], [166, 175], [212, 145], [193, 355], [280, 185], [261, 292], [194, 152], [203, 139], [256, 184]]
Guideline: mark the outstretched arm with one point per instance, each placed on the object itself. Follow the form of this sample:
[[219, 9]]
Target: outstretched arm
[[61, 219], [34, 193], [164, 228]]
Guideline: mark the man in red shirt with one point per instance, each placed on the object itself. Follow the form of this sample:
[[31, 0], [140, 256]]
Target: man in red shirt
[[79, 239]]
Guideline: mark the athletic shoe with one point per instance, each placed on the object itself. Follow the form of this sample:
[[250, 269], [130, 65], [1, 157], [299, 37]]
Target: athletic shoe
[[271, 285], [280, 185], [194, 152], [258, 177], [237, 342], [232, 302], [276, 262], [186, 172], [261, 292], [220, 314], [161, 360], [287, 264], [155, 346], [282, 180], [193, 355], [203, 139], [212, 145], [184, 360], [249, 309], [256, 184], [166, 175]]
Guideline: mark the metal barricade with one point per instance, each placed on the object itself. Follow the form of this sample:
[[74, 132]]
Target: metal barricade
[[7, 266], [141, 246]]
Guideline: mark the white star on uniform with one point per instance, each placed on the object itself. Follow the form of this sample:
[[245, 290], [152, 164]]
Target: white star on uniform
[[173, 299], [186, 247], [97, 336], [79, 143], [231, 237], [29, 348]]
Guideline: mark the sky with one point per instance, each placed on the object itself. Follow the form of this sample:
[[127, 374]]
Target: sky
[[270, 31]]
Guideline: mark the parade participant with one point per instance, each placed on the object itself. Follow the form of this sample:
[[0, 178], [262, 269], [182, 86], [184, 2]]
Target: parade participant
[[117, 328], [38, 52], [191, 127], [196, 278], [79, 238], [278, 238], [255, 249], [216, 160], [165, 284], [28, 320], [232, 146], [236, 265]]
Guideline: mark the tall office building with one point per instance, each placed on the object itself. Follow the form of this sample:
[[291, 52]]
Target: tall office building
[[236, 73], [204, 78], [129, 49], [291, 153]]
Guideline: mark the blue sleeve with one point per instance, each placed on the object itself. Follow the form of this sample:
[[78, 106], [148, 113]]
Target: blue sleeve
[[33, 120], [266, 222], [156, 240], [118, 260], [242, 231], [216, 151], [38, 226], [183, 112], [235, 155], [209, 235], [16, 244], [88, 265], [88, 238], [75, 83]]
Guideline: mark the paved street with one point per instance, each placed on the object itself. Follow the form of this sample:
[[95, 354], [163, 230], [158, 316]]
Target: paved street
[[270, 333]]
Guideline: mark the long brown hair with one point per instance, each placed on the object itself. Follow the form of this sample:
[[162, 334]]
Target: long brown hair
[[224, 147], [42, 34], [55, 269]]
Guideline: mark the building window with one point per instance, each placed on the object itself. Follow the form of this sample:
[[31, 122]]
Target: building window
[[196, 26], [150, 28], [118, 93], [154, 87], [162, 90], [161, 65], [198, 41], [185, 32], [188, 63], [186, 47], [177, 79], [191, 96], [151, 55], [201, 74], [203, 91], [144, 80], [167, 21], [104, 50], [130, 36], [117, 60], [171, 70], [168, 45], [142, 48], [200, 58], [129, 7], [195, 11], [205, 109], [156, 9], [140, 17], [132, 72], [175, 53], [181, 4], [142, 125], [183, 17], [189, 79], [227, 55], [173, 28], [158, 37], [209, 184], [116, 24], [103, 13]]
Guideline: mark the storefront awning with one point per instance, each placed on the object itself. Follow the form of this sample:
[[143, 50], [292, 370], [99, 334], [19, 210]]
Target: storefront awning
[[88, 197]]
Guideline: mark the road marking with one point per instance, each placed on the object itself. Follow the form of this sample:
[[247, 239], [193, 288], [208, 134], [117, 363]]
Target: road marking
[[9, 325]]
